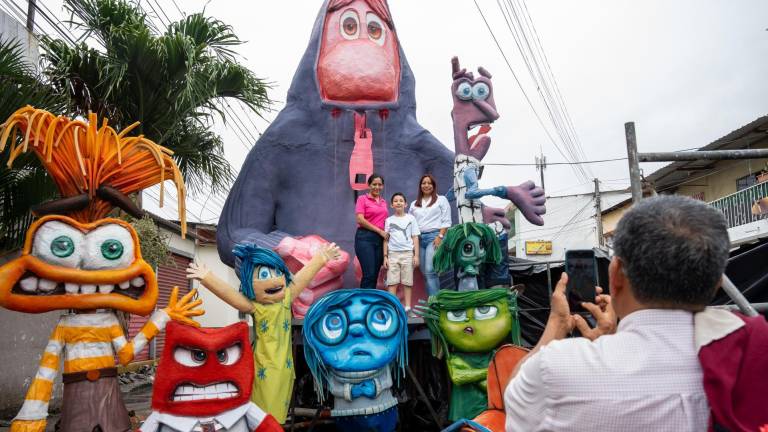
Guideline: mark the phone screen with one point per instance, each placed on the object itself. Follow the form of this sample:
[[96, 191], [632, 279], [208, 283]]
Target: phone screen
[[582, 278]]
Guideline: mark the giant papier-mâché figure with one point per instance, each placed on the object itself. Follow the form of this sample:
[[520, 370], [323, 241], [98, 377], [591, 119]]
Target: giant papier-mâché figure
[[350, 110], [353, 339], [203, 383], [468, 248], [267, 288], [466, 328], [474, 108], [87, 264]]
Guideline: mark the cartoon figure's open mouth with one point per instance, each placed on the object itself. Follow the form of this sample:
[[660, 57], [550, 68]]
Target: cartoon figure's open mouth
[[482, 129], [272, 291], [31, 284], [192, 392], [469, 330], [362, 353]]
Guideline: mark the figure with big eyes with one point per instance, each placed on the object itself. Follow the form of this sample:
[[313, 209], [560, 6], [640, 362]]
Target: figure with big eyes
[[352, 341], [467, 328], [267, 289]]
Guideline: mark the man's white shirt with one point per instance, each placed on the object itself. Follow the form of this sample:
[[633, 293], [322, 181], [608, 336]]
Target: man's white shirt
[[645, 377]]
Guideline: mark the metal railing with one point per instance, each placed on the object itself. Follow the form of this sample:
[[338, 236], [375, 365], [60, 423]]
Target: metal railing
[[737, 207]]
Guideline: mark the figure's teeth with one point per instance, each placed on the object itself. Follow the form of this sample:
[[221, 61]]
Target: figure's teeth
[[198, 397], [183, 398], [106, 289], [125, 285], [46, 285], [137, 281], [71, 288], [88, 288], [29, 284], [231, 388]]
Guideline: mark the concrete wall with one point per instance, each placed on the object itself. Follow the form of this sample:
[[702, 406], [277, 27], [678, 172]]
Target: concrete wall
[[11, 28], [217, 313], [569, 223], [723, 181], [24, 336]]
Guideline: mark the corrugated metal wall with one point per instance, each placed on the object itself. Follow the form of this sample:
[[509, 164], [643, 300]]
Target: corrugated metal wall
[[168, 276]]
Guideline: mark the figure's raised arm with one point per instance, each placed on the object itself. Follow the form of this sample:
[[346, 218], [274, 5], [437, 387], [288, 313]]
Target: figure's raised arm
[[227, 293], [304, 276]]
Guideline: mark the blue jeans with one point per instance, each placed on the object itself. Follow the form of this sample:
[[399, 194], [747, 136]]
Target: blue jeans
[[369, 249], [426, 265]]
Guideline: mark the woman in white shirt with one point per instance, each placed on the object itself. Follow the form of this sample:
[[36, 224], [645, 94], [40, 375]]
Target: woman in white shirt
[[433, 215]]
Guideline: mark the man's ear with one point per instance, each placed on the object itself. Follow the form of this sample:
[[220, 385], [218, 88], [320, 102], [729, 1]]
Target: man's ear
[[617, 280]]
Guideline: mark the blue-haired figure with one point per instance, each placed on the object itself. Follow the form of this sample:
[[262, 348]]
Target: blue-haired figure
[[352, 338], [266, 291]]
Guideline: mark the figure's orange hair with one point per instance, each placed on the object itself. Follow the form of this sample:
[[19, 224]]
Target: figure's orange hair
[[82, 156]]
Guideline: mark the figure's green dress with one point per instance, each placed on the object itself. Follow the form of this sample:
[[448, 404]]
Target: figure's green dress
[[469, 400], [273, 357]]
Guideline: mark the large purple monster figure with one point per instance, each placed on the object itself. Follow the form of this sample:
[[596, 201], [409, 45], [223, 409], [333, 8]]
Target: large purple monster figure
[[350, 110]]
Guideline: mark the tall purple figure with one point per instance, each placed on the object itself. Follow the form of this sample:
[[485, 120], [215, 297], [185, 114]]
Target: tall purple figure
[[351, 109]]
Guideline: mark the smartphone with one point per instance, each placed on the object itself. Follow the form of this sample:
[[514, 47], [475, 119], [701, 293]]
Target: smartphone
[[581, 267]]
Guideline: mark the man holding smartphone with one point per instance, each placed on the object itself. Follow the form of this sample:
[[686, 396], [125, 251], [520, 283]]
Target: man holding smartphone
[[670, 255]]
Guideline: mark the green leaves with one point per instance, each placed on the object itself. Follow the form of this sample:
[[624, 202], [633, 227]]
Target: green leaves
[[170, 82]]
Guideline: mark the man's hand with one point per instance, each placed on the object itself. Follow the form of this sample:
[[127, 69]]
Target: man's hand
[[603, 312], [560, 317], [197, 271], [183, 310]]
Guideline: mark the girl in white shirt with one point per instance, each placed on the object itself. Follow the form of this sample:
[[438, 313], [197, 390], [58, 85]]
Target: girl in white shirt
[[433, 215]]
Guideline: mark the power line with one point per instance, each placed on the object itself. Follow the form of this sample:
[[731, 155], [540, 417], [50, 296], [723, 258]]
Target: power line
[[514, 75], [556, 163]]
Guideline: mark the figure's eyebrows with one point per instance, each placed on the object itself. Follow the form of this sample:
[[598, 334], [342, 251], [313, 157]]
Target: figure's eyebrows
[[367, 302]]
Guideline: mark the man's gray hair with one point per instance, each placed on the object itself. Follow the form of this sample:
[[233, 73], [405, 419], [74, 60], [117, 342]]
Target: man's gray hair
[[674, 250]]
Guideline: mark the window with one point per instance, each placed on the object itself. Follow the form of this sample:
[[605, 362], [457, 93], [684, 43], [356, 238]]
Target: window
[[746, 181]]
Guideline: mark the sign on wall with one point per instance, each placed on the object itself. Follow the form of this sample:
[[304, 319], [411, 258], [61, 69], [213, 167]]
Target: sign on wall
[[538, 247]]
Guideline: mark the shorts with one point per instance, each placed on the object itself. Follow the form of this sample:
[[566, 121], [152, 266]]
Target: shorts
[[400, 269]]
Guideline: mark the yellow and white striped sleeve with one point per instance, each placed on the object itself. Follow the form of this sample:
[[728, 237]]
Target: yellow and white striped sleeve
[[127, 350], [35, 405]]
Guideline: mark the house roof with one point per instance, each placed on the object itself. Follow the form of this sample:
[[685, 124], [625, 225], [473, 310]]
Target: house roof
[[678, 172]]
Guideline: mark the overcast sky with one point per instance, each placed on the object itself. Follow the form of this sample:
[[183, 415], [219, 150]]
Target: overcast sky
[[686, 72]]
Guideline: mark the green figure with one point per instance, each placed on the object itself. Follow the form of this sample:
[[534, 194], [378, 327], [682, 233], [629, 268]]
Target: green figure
[[466, 328], [467, 247]]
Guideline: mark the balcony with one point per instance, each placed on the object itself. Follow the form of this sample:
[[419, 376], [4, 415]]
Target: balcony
[[737, 207]]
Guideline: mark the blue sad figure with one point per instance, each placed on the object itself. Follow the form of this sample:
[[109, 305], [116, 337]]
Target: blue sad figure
[[352, 340]]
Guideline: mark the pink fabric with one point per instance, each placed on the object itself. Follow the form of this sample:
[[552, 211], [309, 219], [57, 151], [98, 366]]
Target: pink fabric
[[374, 212], [735, 378]]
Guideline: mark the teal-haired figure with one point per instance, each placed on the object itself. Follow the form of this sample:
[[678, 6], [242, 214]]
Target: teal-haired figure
[[467, 328], [467, 248], [266, 291], [354, 340]]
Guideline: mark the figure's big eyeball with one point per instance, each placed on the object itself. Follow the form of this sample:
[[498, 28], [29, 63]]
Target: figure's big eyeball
[[468, 249], [263, 272], [456, 315], [480, 91], [486, 312], [189, 357], [376, 29], [107, 247], [381, 321], [58, 243], [229, 356], [464, 91], [332, 328], [350, 25]]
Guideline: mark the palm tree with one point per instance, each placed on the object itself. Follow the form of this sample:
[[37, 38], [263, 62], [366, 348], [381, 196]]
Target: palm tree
[[27, 183], [170, 82]]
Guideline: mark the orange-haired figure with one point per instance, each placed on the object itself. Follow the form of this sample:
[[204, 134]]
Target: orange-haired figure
[[86, 263]]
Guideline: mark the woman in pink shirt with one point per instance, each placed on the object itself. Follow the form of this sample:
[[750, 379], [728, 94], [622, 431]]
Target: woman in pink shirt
[[371, 212]]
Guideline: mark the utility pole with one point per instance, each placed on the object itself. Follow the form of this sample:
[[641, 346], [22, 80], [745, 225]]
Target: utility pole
[[31, 15], [599, 214], [541, 165], [634, 164]]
